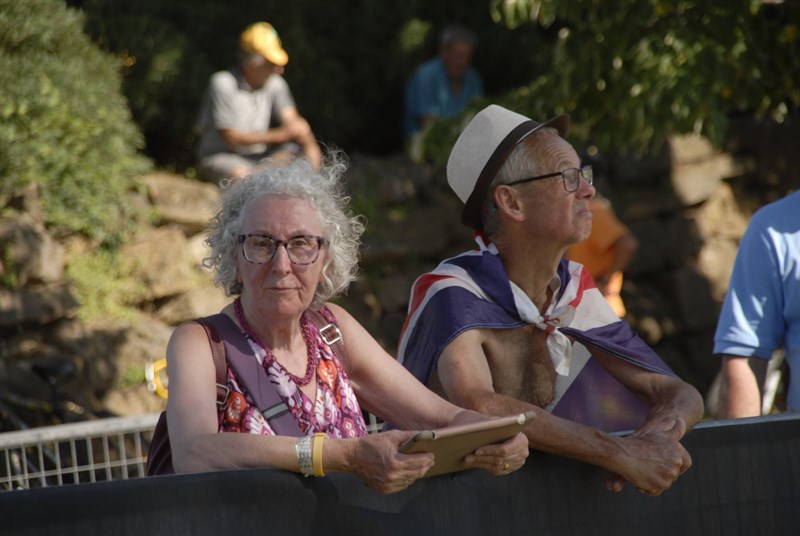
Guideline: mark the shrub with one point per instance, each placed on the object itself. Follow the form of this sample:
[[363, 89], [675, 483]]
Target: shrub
[[63, 121]]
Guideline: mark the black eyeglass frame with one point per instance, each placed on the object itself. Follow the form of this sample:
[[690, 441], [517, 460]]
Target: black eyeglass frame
[[581, 173], [321, 241]]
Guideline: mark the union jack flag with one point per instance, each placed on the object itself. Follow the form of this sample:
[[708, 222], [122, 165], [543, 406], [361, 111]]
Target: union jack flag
[[472, 290]]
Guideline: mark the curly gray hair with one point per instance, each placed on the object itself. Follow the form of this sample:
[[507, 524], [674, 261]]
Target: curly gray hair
[[324, 191]]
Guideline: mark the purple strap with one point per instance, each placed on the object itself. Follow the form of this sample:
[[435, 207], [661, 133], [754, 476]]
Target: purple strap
[[250, 372]]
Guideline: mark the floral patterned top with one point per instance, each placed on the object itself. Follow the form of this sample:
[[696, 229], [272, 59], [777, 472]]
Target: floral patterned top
[[335, 411]]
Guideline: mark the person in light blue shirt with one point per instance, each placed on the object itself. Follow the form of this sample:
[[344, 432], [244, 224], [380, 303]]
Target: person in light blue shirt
[[444, 85], [761, 311]]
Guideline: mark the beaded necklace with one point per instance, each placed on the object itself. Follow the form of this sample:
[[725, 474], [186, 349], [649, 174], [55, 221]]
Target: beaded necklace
[[305, 325]]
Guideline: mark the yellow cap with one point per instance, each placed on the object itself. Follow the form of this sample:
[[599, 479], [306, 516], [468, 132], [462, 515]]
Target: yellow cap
[[261, 38]]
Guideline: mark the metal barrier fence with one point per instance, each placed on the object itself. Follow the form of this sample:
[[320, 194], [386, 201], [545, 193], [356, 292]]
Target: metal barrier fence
[[92, 451]]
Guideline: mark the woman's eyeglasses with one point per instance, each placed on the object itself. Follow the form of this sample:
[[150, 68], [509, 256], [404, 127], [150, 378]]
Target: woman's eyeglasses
[[260, 249]]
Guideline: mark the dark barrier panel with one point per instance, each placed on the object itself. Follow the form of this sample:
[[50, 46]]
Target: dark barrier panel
[[745, 481]]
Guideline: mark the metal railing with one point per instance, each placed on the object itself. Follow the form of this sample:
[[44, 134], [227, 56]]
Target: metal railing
[[91, 451], [104, 449]]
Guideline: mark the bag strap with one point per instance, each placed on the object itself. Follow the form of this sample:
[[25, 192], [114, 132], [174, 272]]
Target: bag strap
[[220, 363], [249, 371], [254, 378], [331, 334]]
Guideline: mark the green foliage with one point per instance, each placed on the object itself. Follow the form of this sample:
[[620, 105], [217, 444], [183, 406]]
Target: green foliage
[[632, 73], [63, 121], [102, 282], [348, 61], [8, 274], [344, 68], [133, 376]]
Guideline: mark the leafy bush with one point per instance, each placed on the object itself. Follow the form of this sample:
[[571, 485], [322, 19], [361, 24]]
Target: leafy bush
[[63, 121], [629, 73], [632, 73], [102, 280], [348, 60]]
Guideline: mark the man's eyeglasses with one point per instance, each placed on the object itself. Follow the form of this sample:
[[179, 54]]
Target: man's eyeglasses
[[571, 177], [260, 249]]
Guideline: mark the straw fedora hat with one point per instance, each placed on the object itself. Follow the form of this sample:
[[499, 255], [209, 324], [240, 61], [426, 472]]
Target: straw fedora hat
[[481, 150]]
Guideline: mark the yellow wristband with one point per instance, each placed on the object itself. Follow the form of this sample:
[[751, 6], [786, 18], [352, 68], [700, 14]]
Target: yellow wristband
[[316, 455]]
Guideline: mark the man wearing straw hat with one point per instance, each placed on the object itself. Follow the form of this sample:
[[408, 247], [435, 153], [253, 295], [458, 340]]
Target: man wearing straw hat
[[512, 326], [236, 135]]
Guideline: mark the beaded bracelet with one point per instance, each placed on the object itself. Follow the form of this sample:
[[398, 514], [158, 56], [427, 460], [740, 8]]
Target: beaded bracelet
[[316, 457], [303, 450]]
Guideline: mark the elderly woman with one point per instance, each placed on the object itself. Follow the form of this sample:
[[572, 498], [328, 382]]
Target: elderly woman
[[283, 244]]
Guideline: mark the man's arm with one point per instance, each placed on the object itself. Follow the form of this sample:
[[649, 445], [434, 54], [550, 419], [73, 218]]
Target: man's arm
[[299, 131], [675, 406], [651, 463], [742, 386], [292, 127], [240, 138]]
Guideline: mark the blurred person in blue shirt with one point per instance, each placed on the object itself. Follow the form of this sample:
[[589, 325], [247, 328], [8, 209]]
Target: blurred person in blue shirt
[[444, 85], [761, 311]]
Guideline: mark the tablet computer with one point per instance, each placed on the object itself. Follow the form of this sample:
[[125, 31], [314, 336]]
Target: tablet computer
[[450, 445]]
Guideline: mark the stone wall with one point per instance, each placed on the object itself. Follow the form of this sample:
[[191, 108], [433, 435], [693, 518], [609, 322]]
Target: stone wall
[[688, 206]]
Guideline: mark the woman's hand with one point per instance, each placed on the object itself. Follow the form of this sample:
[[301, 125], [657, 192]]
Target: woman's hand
[[375, 460], [503, 458]]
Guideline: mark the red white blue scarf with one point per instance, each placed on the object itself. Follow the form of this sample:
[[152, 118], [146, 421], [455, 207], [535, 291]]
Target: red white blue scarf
[[473, 291]]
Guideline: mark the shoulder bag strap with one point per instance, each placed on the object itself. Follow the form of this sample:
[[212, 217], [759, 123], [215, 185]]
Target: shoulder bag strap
[[254, 378], [220, 363], [330, 333]]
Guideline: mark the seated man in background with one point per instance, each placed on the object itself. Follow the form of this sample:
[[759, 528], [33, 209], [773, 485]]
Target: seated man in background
[[235, 133], [444, 85], [761, 311], [607, 252], [515, 327]]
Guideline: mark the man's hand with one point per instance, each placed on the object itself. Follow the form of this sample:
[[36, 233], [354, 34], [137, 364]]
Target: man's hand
[[668, 422], [651, 461]]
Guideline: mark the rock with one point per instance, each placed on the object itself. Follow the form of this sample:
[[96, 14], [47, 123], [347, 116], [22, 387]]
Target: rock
[[179, 201], [697, 168], [692, 295], [715, 263], [683, 240], [28, 200], [203, 301], [156, 259], [196, 251], [422, 233], [720, 216], [651, 256], [650, 312], [39, 304], [29, 252], [136, 400]]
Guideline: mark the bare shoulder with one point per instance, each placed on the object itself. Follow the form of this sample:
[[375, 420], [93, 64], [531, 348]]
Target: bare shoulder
[[187, 333], [344, 319], [188, 345], [472, 340]]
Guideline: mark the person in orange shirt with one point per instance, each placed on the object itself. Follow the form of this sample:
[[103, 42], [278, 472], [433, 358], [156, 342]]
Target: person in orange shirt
[[607, 252]]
